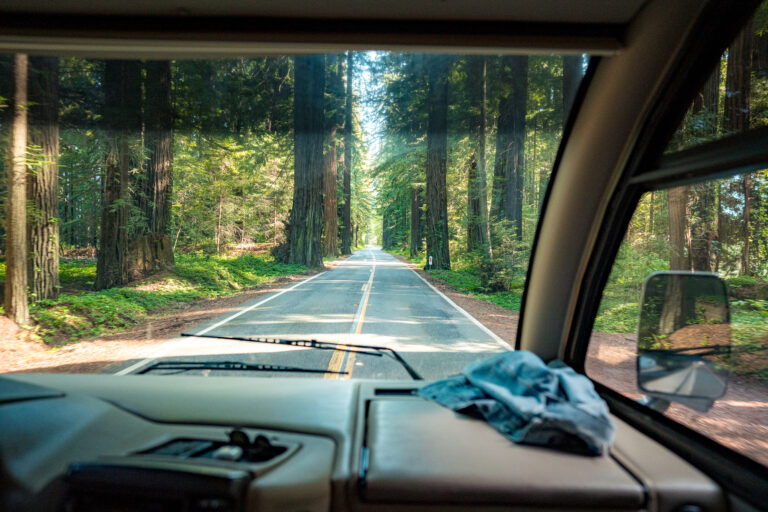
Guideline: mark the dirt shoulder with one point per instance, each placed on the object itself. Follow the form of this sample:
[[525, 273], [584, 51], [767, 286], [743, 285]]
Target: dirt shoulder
[[19, 354]]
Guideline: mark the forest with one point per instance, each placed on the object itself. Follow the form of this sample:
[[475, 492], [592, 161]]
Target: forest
[[219, 174]]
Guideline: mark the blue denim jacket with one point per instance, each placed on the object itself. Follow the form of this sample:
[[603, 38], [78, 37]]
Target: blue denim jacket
[[530, 402]]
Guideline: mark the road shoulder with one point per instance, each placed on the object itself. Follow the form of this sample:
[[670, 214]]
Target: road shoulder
[[500, 321]]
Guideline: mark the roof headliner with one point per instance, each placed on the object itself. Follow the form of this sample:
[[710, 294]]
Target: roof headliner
[[547, 11]]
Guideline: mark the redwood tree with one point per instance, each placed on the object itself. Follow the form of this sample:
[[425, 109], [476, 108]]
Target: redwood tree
[[346, 179], [417, 224], [151, 247], [43, 178], [330, 162], [122, 91], [507, 196], [306, 221], [477, 188], [736, 119], [437, 156], [15, 304]]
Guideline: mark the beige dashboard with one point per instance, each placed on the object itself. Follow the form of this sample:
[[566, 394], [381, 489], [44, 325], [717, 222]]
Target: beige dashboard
[[345, 445]]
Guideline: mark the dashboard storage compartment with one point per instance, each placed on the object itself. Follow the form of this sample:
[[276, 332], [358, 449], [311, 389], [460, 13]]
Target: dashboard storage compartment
[[419, 452]]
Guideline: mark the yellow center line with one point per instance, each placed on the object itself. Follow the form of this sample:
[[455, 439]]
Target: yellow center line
[[338, 355]]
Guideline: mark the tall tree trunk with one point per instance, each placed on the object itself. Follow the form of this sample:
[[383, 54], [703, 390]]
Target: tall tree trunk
[[737, 93], [738, 82], [335, 103], [306, 222], [516, 160], [572, 74], [747, 226], [15, 304], [678, 225], [159, 142], [151, 247], [507, 197], [503, 142], [437, 155], [43, 179], [330, 214], [346, 181], [122, 91], [477, 200], [703, 221], [417, 231], [218, 224]]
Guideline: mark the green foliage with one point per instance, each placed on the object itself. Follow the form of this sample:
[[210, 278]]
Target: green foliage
[[77, 273], [465, 276], [72, 317], [619, 307]]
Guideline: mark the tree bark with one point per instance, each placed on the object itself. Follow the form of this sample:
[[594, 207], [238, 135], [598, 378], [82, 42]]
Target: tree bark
[[477, 200], [346, 182], [16, 306], [738, 82], [330, 216], [159, 142], [417, 231], [43, 179], [335, 96], [500, 185], [703, 221], [747, 226], [507, 198], [737, 93], [677, 201], [516, 160], [306, 221], [437, 155], [151, 248], [122, 91]]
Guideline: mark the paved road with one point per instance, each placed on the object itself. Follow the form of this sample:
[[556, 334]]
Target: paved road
[[371, 299]]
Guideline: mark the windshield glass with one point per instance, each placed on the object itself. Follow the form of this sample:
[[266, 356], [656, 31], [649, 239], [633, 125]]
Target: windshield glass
[[378, 199]]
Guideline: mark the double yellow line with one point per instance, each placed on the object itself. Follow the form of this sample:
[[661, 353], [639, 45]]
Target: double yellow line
[[337, 359]]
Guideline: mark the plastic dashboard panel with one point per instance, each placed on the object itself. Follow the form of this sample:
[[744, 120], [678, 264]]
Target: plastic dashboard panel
[[358, 445], [423, 453]]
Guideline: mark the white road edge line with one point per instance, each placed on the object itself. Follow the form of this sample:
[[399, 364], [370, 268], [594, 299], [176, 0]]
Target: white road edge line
[[472, 319], [170, 345]]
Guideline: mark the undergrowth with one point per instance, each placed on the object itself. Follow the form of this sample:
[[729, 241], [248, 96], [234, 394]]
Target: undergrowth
[[78, 315]]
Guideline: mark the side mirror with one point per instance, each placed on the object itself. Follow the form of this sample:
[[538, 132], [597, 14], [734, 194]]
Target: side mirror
[[683, 339]]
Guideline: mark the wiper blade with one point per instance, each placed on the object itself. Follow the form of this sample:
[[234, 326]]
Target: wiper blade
[[184, 366], [370, 350]]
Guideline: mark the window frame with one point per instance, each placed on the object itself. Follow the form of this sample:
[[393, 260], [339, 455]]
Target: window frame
[[649, 169]]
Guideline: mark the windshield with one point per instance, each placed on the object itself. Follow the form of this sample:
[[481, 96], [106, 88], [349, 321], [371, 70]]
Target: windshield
[[215, 216]]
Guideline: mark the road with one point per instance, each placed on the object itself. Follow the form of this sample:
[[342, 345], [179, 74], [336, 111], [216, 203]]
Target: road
[[370, 298]]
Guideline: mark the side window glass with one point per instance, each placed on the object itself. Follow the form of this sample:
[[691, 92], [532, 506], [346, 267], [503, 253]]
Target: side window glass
[[734, 99], [718, 226]]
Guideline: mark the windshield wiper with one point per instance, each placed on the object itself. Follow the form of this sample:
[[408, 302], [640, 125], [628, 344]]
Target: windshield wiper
[[370, 350], [184, 366]]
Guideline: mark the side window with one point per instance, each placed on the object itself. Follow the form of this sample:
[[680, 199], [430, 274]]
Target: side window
[[718, 226], [734, 99]]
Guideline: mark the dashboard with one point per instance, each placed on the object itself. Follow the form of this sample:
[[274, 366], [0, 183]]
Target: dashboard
[[168, 443]]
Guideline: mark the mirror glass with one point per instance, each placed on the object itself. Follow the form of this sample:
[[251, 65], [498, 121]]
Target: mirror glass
[[684, 337]]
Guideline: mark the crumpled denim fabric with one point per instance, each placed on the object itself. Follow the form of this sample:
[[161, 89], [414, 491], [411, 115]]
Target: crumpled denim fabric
[[530, 402]]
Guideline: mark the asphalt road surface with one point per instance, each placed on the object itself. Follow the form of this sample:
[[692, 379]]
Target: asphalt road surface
[[370, 298]]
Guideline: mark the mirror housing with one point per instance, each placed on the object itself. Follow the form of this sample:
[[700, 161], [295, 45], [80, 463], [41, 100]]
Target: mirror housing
[[683, 339]]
